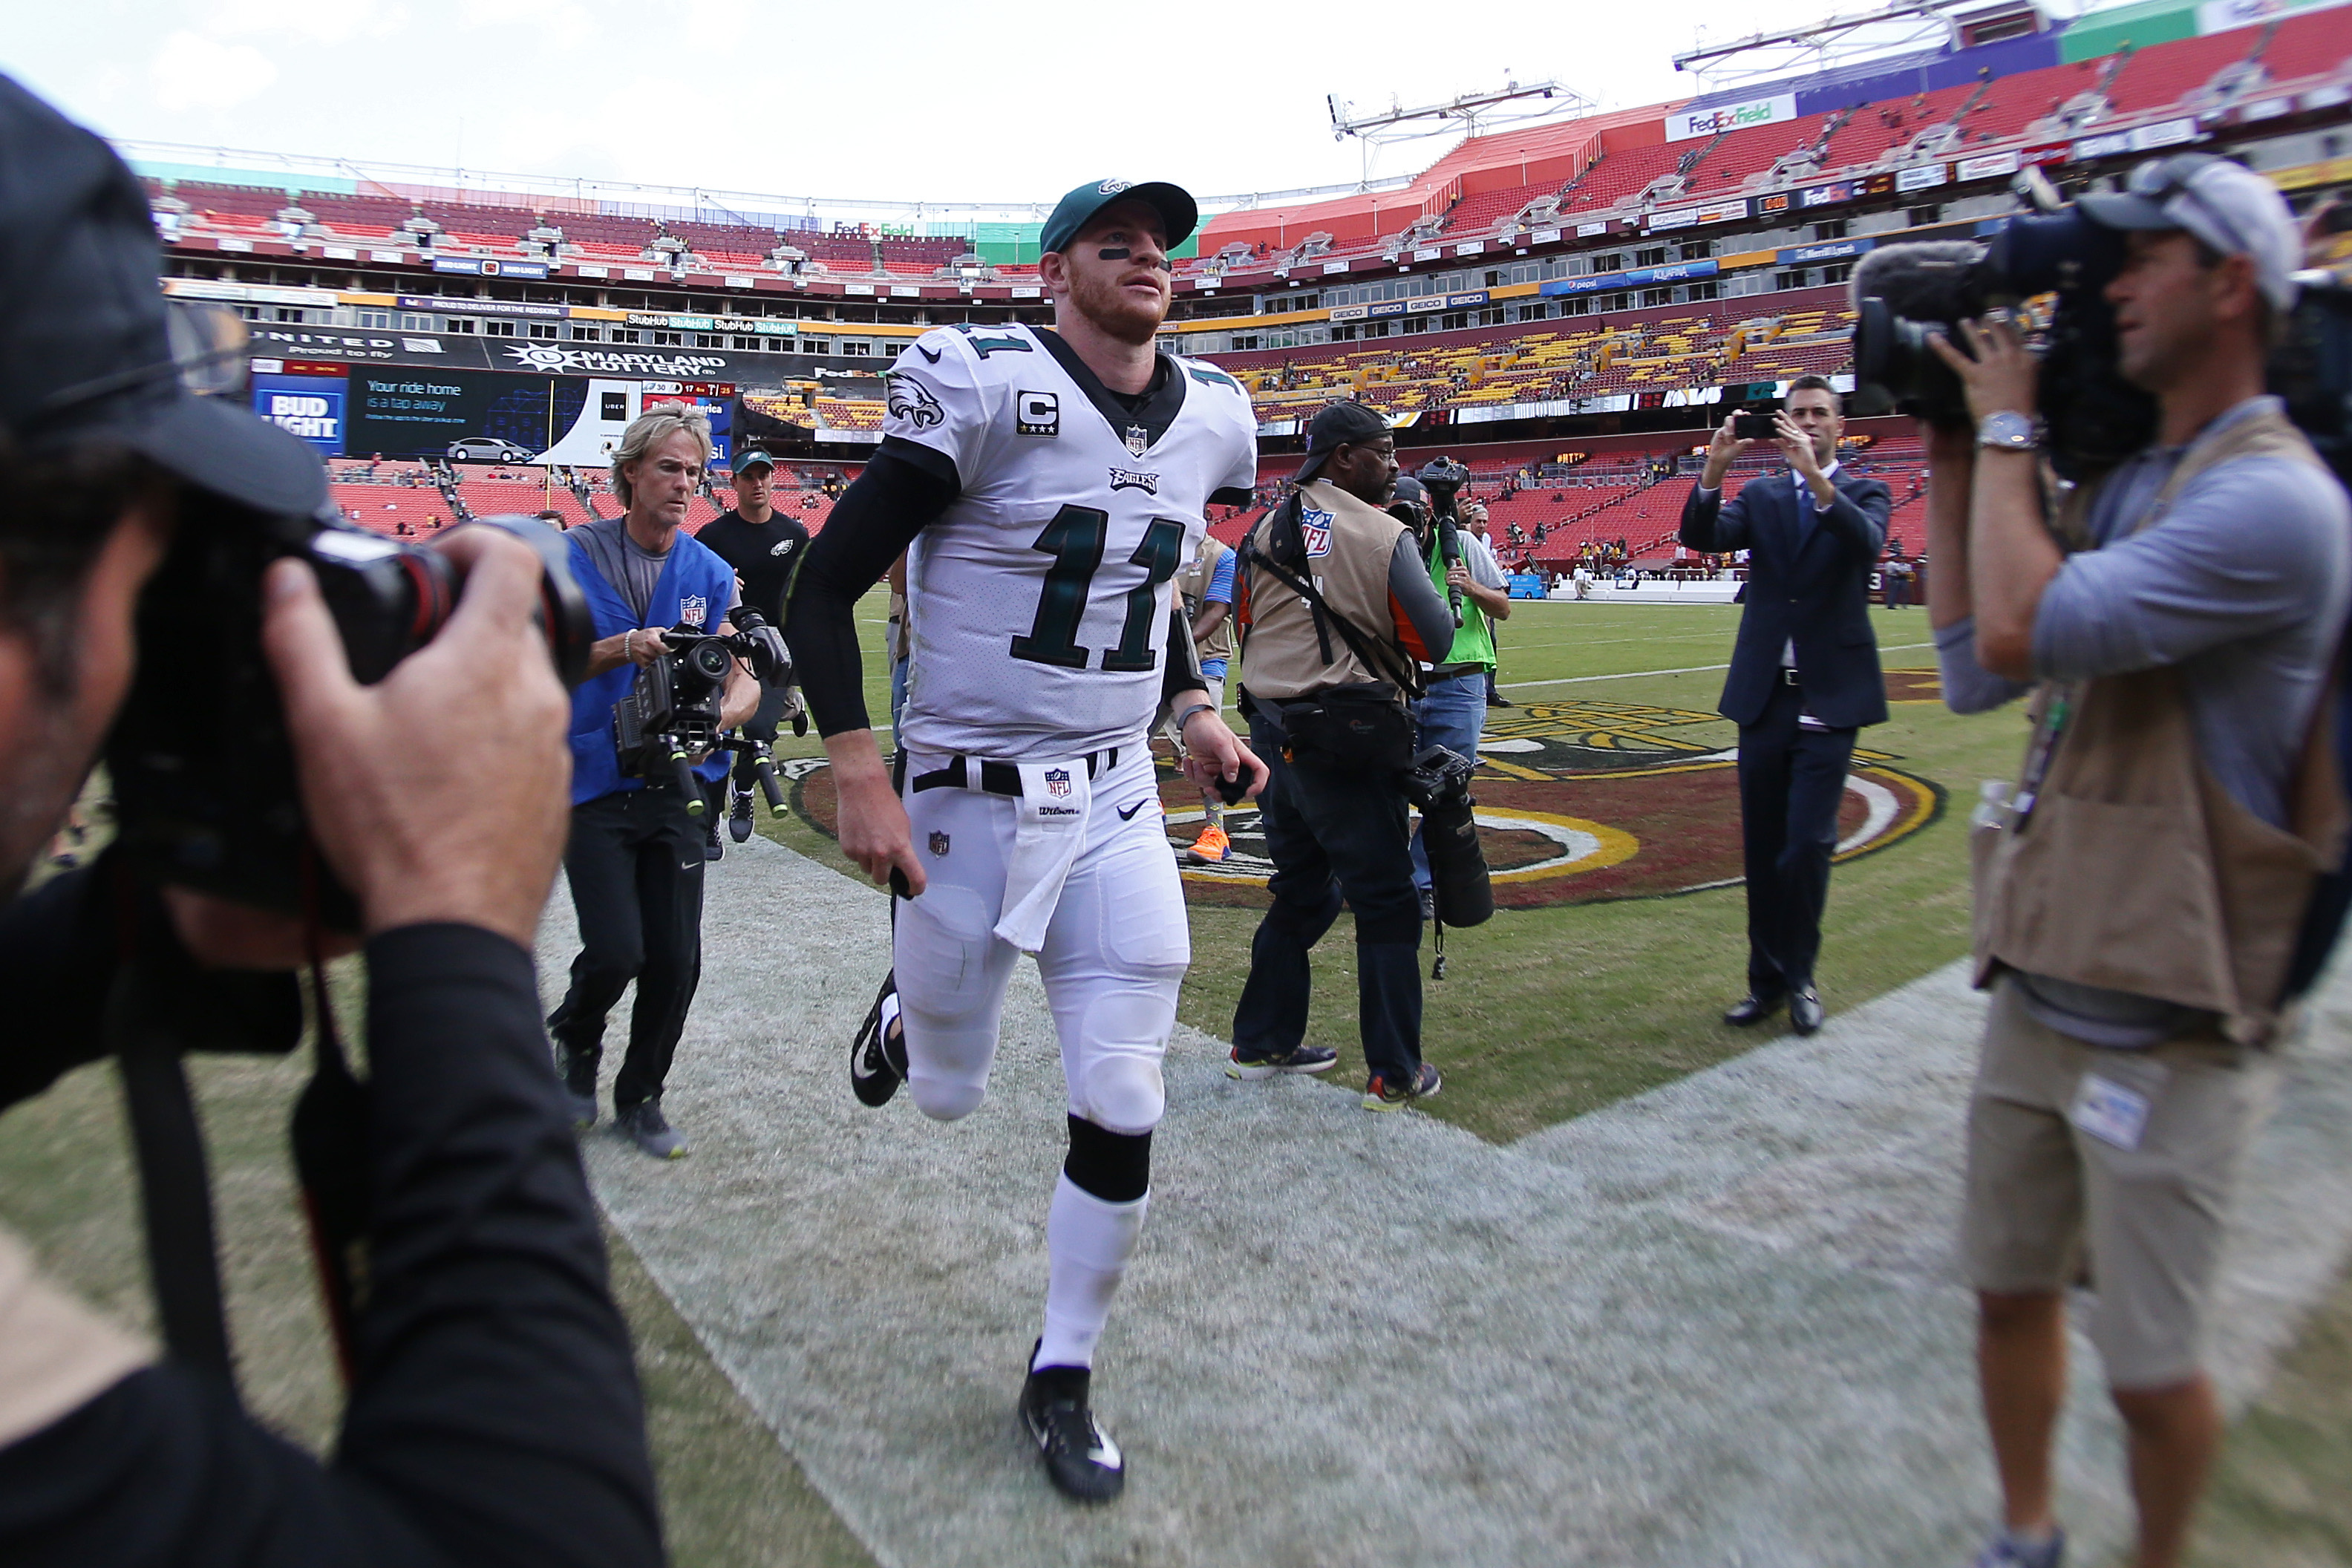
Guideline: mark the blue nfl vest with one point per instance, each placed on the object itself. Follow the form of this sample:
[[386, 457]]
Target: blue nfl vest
[[695, 586]]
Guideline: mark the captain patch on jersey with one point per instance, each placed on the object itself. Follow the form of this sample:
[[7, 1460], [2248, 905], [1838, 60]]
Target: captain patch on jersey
[[1074, 509]]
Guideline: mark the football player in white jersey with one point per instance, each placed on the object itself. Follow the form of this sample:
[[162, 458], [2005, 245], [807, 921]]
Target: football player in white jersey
[[1047, 485]]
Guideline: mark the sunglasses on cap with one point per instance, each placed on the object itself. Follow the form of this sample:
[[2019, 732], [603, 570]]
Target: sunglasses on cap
[[210, 357]]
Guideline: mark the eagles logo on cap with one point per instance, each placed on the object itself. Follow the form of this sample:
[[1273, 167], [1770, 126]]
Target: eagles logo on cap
[[1112, 187]]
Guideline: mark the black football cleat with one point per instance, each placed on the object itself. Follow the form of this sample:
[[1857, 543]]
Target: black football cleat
[[877, 1056], [738, 817], [1081, 1461]]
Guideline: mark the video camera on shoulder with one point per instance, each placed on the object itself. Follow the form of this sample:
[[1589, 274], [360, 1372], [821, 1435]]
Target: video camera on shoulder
[[1444, 478], [669, 719], [202, 767]]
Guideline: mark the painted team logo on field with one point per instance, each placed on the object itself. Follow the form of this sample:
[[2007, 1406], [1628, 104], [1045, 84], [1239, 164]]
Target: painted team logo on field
[[1584, 802], [1315, 527], [1580, 801], [693, 609], [1057, 782]]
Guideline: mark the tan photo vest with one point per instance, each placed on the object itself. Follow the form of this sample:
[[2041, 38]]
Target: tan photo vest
[[56, 1354], [1193, 587], [2134, 870], [1283, 654]]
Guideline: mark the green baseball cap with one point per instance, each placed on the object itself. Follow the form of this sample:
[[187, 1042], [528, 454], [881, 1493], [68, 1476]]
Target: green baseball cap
[[1174, 205]]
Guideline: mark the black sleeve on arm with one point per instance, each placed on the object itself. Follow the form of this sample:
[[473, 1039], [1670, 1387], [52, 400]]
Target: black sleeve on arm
[[495, 1399], [1232, 495], [903, 488], [1182, 671], [1712, 524]]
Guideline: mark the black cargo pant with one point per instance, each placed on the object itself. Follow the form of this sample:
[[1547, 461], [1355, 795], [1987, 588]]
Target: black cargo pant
[[1330, 831], [635, 862]]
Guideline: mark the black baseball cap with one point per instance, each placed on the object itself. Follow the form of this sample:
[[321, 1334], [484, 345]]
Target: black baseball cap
[[1177, 210], [754, 458], [1337, 424], [88, 344]]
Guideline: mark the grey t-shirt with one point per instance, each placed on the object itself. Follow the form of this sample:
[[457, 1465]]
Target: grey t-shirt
[[629, 567], [2243, 582]]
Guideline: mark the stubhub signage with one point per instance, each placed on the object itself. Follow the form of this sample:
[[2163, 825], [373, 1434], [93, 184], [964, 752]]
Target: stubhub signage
[[1685, 124]]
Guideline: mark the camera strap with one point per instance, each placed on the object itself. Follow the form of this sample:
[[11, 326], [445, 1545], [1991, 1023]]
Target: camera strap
[[174, 1188], [1378, 658], [330, 1136]]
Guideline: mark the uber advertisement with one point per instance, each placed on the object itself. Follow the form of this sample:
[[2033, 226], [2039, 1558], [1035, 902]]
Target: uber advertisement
[[411, 412]]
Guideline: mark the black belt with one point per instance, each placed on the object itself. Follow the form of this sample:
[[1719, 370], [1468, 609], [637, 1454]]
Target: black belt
[[999, 778]]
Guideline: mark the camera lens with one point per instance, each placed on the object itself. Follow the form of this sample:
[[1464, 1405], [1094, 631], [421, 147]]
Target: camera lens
[[711, 659]]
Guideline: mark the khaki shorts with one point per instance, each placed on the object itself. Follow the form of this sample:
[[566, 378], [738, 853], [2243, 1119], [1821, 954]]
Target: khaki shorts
[[1215, 686], [2046, 1196]]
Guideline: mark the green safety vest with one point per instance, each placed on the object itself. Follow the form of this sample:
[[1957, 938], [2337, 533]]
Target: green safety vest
[[1473, 643]]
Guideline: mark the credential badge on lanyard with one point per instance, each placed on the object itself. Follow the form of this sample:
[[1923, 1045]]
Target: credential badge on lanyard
[[2038, 755]]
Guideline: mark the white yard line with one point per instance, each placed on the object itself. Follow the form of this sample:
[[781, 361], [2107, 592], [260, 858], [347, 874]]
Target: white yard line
[[1715, 1323], [1638, 674]]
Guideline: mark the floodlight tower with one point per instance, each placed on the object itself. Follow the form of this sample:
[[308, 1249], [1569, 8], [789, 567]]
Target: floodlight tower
[[1473, 113]]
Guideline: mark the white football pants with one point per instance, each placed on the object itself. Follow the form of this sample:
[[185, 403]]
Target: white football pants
[[1115, 953]]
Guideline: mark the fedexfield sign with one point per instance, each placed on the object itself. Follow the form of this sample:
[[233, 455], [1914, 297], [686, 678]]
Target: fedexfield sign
[[1684, 124]]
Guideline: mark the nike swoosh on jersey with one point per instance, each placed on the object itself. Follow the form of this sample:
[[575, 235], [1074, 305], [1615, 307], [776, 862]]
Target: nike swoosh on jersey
[[930, 354], [1128, 815]]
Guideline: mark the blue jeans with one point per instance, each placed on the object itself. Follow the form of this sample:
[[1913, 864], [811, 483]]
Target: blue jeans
[[1333, 831], [1451, 714]]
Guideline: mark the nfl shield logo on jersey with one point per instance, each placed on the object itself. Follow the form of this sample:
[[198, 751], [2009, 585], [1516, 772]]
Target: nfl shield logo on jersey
[[939, 842], [1315, 527], [693, 608], [1138, 439], [1057, 781]]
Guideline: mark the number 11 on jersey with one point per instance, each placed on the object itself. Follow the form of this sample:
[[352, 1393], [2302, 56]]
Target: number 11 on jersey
[[1074, 538]]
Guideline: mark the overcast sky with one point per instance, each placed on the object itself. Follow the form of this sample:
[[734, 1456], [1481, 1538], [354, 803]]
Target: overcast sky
[[897, 100]]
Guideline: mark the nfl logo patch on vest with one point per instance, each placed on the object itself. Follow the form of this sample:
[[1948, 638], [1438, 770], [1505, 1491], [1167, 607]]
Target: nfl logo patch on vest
[[1315, 527], [693, 608], [1057, 781]]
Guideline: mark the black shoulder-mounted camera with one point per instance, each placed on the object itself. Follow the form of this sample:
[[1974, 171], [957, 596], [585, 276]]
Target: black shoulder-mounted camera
[[669, 719], [202, 769], [1445, 478]]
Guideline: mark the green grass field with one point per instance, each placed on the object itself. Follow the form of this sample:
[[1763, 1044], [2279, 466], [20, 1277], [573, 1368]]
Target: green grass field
[[1547, 1013]]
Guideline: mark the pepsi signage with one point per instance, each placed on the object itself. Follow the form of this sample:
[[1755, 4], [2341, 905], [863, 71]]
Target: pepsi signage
[[1826, 195], [1603, 282]]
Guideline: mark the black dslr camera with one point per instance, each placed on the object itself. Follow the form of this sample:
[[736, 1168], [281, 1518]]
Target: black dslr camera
[[669, 719], [1905, 293], [201, 765]]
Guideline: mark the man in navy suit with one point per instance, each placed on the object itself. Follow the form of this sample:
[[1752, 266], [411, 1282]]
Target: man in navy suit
[[1805, 677]]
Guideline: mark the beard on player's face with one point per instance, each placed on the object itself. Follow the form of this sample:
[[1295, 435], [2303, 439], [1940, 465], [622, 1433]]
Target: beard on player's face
[[1112, 293]]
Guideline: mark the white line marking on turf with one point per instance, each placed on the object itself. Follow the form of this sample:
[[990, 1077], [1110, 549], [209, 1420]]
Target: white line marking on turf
[[1687, 669], [1716, 1322]]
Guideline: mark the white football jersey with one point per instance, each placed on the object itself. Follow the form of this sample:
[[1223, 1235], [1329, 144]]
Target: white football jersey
[[1040, 598]]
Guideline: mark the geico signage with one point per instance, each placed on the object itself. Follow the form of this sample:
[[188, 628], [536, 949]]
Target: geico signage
[[1685, 124]]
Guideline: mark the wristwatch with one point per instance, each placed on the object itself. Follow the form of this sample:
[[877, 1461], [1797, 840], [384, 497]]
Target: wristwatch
[[2006, 430]]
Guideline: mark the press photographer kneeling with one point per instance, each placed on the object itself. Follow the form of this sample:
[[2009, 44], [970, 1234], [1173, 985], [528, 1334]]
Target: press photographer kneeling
[[2175, 616], [154, 547], [635, 858]]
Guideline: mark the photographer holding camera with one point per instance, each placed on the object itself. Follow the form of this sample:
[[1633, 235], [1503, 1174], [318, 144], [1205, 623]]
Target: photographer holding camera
[[1805, 674], [493, 1414], [763, 545], [1336, 604], [1451, 710], [636, 852], [2138, 891]]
